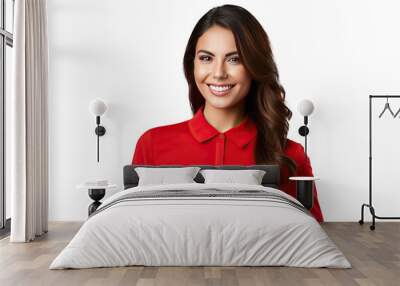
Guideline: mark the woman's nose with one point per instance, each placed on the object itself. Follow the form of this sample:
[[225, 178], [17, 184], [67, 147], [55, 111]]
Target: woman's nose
[[219, 71]]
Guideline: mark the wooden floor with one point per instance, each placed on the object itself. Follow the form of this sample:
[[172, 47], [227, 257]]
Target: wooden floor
[[374, 255]]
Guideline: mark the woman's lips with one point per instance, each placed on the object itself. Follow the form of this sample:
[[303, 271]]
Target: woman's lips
[[220, 90]]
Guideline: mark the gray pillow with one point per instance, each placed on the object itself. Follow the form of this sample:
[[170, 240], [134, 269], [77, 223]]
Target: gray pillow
[[162, 176], [248, 177]]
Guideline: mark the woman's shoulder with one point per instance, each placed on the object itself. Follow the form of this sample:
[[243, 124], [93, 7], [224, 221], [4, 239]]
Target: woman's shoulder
[[165, 130], [294, 149]]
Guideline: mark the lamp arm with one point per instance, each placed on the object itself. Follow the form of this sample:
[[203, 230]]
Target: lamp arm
[[99, 131], [98, 144], [305, 147], [303, 131]]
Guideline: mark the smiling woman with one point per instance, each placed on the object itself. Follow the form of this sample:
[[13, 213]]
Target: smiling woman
[[221, 78], [240, 115]]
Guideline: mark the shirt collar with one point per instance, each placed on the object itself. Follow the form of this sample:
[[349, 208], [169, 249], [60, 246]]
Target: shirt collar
[[202, 131]]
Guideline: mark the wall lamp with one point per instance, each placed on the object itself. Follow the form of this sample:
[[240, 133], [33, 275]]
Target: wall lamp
[[305, 107], [97, 107]]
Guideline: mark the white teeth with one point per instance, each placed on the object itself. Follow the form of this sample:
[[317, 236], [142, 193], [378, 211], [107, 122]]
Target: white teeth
[[220, 88]]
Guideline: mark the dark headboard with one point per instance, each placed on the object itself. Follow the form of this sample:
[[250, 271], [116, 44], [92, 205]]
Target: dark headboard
[[270, 179]]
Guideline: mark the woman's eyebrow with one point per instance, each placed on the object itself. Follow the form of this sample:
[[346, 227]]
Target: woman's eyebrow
[[210, 53]]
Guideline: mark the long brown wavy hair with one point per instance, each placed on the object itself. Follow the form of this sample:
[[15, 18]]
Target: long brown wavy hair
[[265, 103]]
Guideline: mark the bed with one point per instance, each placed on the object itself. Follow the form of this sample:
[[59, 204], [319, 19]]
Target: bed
[[201, 224]]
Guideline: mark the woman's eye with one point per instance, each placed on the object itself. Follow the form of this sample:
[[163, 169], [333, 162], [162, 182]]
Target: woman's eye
[[204, 58], [234, 60]]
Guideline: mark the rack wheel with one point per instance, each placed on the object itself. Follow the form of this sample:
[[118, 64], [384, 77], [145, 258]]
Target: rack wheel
[[372, 227], [361, 222]]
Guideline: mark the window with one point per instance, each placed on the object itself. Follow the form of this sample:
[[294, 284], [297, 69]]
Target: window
[[6, 44]]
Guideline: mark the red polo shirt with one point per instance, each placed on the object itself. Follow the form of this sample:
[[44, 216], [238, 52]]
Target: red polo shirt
[[196, 142]]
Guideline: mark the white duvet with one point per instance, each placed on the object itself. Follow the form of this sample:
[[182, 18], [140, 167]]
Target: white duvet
[[200, 231]]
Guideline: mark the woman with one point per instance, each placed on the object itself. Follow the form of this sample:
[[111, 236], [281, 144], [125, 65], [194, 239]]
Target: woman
[[240, 117]]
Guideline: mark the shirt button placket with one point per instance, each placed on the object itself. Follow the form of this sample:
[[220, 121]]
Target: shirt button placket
[[220, 149]]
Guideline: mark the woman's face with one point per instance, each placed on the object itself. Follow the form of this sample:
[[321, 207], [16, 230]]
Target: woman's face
[[219, 74]]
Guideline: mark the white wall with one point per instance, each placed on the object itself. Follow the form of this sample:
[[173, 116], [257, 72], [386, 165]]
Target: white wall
[[130, 54]]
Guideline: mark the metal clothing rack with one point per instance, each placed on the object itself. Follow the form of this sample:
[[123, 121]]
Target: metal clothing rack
[[369, 205]]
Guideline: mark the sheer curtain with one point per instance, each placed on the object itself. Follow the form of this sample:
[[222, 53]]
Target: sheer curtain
[[28, 121]]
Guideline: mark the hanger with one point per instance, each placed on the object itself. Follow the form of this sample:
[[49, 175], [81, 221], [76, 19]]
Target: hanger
[[387, 107]]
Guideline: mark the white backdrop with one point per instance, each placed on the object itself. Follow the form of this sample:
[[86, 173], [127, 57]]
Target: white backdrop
[[130, 53]]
